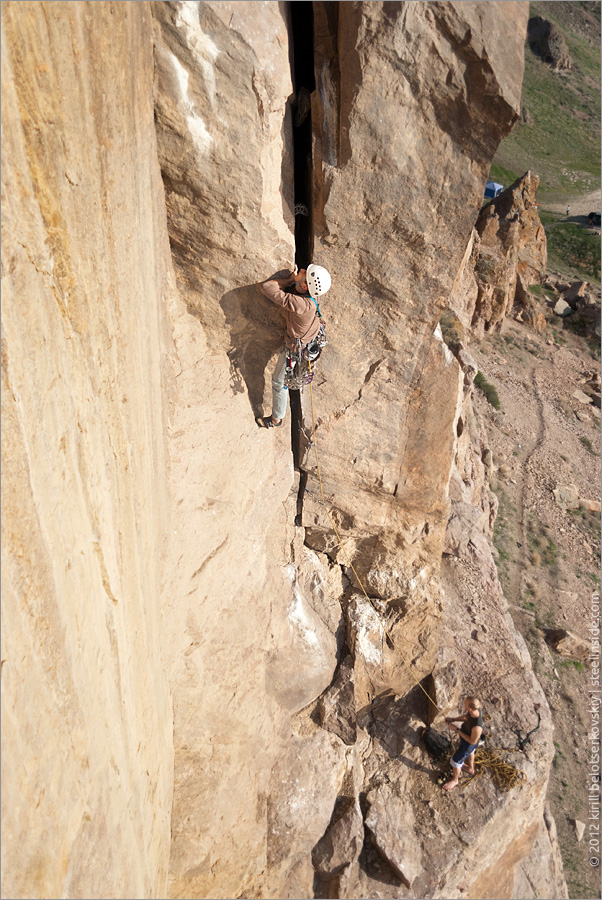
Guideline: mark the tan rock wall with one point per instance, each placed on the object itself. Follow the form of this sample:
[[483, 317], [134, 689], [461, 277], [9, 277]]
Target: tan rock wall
[[407, 123], [133, 465], [248, 636], [87, 763]]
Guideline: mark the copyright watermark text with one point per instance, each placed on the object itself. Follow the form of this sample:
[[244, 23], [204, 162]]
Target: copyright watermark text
[[595, 699]]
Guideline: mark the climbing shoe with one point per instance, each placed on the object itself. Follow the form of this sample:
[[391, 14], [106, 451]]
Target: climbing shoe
[[267, 422]]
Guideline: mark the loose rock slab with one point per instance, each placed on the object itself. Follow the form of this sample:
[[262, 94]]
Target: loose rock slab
[[392, 823], [569, 644]]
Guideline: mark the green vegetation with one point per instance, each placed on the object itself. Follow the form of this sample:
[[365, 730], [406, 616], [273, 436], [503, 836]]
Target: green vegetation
[[563, 144], [502, 175], [488, 389], [452, 330], [588, 445], [588, 521], [558, 756], [581, 327], [542, 292], [569, 663], [549, 218], [574, 250]]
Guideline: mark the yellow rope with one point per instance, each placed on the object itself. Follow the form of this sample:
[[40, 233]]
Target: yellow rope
[[504, 775], [334, 528]]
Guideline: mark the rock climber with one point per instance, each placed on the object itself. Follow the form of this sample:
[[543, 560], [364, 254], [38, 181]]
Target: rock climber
[[470, 733], [294, 294]]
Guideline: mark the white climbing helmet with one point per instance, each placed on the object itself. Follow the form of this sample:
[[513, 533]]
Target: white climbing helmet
[[318, 280]]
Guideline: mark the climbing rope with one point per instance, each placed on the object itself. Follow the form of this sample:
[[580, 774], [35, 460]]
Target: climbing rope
[[350, 564], [504, 775]]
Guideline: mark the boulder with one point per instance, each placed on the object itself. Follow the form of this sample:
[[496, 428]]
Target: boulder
[[590, 505], [581, 397], [562, 308], [569, 644], [390, 819], [575, 292], [510, 242], [566, 496], [579, 828], [547, 41], [528, 307]]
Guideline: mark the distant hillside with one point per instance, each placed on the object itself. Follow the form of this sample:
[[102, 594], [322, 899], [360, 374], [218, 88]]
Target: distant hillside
[[561, 141]]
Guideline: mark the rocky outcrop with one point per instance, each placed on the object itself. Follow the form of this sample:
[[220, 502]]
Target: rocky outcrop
[[547, 41], [579, 298], [507, 254]]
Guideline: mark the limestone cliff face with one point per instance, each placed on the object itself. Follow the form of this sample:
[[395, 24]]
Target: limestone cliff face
[[87, 759], [167, 625]]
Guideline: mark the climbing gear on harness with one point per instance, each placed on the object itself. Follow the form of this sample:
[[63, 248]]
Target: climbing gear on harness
[[298, 371], [267, 422], [436, 743], [318, 280]]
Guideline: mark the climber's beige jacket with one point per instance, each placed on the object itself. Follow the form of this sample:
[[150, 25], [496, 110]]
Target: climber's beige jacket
[[299, 309]]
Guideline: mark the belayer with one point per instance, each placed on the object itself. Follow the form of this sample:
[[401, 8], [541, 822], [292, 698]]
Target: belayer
[[295, 294], [471, 732]]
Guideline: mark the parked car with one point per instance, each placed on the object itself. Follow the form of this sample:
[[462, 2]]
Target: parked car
[[593, 220]]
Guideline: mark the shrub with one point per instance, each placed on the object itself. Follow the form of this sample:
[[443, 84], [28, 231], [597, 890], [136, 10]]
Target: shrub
[[567, 663], [488, 389]]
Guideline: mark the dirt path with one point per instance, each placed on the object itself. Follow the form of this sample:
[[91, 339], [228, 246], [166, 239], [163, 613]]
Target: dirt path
[[581, 205], [524, 494]]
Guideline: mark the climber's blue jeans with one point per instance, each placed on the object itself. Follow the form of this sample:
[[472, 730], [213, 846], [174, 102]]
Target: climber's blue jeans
[[279, 392]]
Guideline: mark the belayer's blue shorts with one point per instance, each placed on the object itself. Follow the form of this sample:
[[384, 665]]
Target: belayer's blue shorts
[[462, 753]]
